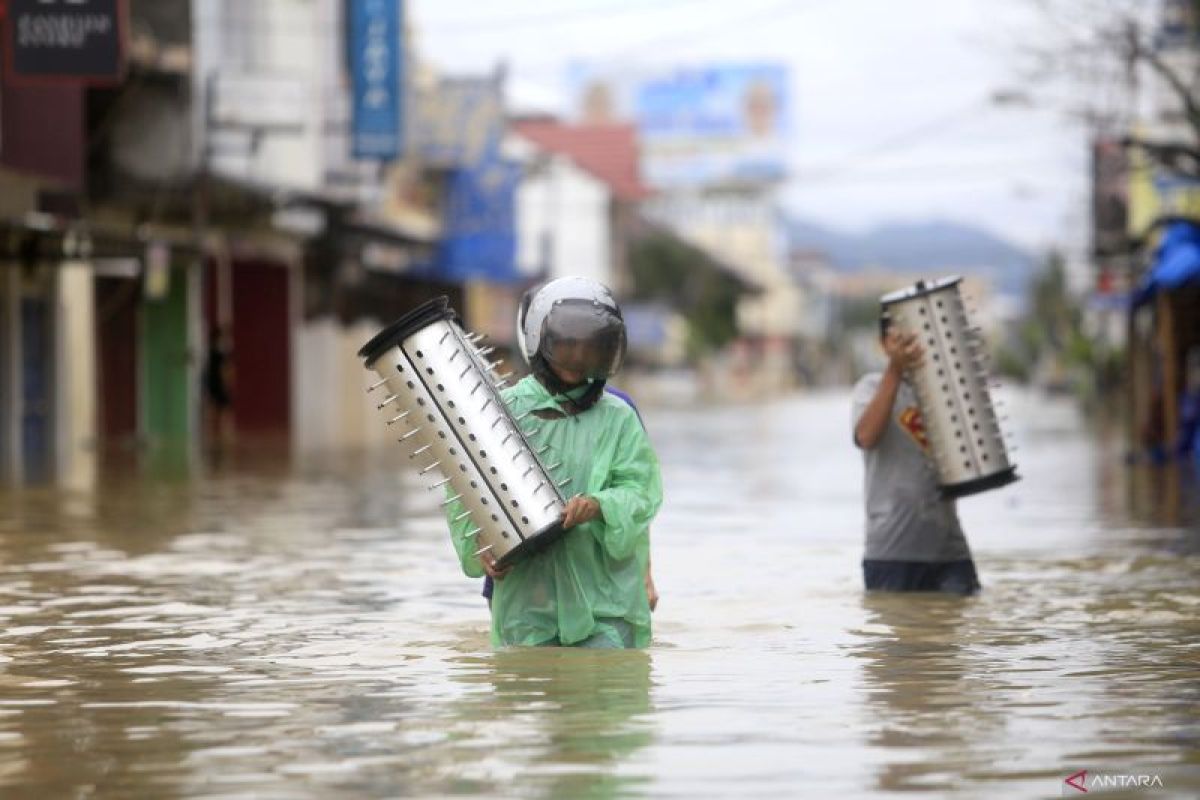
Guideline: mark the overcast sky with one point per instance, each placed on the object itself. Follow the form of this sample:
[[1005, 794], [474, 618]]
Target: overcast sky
[[890, 106]]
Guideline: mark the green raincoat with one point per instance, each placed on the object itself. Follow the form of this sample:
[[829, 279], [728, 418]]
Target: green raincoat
[[585, 584]]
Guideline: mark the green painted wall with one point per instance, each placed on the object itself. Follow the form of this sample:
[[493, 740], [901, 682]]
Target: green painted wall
[[165, 364]]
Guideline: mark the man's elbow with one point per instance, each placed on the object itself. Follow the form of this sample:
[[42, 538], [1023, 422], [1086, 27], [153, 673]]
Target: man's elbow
[[865, 440]]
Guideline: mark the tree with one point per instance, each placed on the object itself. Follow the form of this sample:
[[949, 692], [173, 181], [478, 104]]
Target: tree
[[1113, 48], [667, 270]]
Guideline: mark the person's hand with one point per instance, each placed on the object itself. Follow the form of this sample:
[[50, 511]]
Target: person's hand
[[651, 591], [580, 509], [903, 350], [489, 566]]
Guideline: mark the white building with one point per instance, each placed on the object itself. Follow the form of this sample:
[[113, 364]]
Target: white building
[[563, 224]]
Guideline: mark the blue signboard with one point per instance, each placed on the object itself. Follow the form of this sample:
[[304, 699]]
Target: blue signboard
[[459, 127], [480, 235], [376, 77]]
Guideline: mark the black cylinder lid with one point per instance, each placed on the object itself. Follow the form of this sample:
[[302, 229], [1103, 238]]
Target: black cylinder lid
[[423, 315], [920, 289]]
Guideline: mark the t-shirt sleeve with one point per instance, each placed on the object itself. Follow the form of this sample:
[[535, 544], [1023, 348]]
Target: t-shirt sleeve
[[864, 390]]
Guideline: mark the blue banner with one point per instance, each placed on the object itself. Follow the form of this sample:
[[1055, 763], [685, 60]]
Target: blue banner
[[376, 78]]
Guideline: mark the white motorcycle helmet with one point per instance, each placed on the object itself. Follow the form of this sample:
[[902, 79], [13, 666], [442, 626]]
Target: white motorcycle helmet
[[573, 324]]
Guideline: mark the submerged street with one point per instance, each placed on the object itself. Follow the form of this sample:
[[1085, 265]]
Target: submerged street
[[300, 629]]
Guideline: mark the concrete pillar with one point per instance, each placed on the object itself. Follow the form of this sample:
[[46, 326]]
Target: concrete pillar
[[75, 406]]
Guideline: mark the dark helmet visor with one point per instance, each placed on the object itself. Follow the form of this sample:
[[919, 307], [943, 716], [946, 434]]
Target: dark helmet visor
[[584, 338]]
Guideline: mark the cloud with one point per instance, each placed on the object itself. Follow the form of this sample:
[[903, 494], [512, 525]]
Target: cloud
[[864, 72]]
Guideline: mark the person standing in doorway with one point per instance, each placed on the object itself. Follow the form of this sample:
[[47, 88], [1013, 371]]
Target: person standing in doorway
[[218, 386]]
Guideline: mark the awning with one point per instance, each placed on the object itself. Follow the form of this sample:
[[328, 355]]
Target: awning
[[1176, 262]]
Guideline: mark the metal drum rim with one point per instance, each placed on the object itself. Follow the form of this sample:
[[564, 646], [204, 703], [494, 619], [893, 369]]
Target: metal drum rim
[[422, 316], [994, 480], [532, 544], [912, 292]]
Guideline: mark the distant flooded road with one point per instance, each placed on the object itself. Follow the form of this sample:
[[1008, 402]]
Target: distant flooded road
[[302, 631]]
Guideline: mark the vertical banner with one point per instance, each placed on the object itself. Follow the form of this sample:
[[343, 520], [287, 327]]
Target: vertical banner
[[376, 77]]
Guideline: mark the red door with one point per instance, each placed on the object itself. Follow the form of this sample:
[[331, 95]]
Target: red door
[[261, 347], [117, 302], [260, 343]]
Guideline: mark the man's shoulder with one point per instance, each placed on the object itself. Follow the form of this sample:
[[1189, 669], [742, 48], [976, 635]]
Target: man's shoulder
[[617, 404], [526, 387], [870, 377], [623, 396]]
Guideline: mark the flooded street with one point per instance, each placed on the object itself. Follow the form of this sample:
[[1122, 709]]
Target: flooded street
[[304, 632]]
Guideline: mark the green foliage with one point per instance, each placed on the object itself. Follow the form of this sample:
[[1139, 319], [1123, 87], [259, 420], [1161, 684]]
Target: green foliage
[[860, 313], [1051, 340], [1011, 364], [668, 271]]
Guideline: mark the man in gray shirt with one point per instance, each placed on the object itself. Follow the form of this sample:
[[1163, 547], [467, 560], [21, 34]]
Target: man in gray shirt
[[914, 541]]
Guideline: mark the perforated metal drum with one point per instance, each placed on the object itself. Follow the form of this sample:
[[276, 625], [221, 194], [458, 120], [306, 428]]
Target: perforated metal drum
[[442, 398], [951, 385]]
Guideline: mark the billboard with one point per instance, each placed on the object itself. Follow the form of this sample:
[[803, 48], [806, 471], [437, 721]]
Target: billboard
[[376, 78], [715, 124], [75, 40]]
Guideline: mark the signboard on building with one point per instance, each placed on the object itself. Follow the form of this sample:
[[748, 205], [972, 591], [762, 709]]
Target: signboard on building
[[1110, 198], [376, 36], [459, 127], [259, 101], [724, 123], [457, 120], [65, 40], [480, 238], [1178, 24]]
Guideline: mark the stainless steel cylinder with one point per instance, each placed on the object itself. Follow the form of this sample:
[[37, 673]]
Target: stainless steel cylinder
[[441, 397], [966, 442]]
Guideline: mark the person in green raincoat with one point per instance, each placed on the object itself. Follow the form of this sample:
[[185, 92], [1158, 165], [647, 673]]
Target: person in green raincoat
[[588, 589]]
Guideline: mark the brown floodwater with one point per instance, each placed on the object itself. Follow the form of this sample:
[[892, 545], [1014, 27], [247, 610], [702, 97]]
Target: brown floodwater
[[300, 630]]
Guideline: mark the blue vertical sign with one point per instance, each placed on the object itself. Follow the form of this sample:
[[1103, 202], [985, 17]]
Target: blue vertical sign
[[376, 79]]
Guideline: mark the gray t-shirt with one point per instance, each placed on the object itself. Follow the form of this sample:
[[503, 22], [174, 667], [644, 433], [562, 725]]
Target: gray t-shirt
[[906, 519]]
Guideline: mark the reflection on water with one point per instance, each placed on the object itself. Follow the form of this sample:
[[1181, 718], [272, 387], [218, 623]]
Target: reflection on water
[[300, 630], [569, 718]]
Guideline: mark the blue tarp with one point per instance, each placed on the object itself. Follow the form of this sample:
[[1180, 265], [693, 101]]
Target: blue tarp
[[1176, 261]]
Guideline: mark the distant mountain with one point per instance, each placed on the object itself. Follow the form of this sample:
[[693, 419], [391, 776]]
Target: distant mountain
[[935, 247]]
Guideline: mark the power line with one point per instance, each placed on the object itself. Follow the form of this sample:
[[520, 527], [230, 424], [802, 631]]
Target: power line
[[724, 27], [544, 19], [917, 135], [937, 173]]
